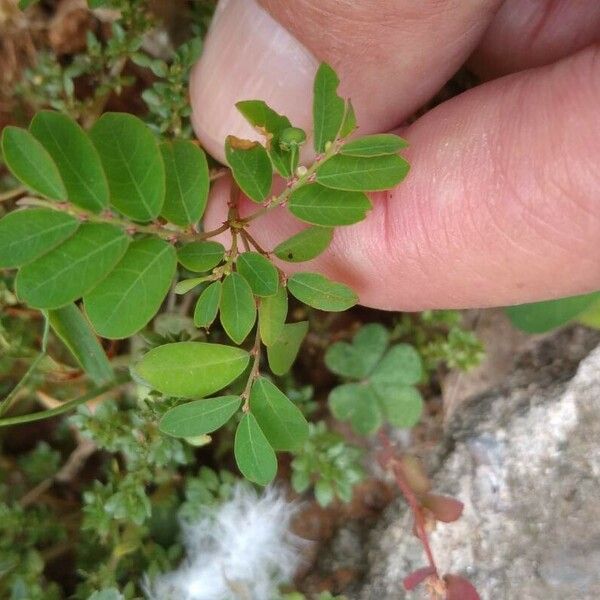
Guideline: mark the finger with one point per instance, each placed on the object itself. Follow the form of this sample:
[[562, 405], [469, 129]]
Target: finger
[[501, 205], [391, 55], [532, 33]]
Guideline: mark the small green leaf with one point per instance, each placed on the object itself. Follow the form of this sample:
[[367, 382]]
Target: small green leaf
[[122, 303], [356, 173], [262, 117], [251, 167], [133, 165], [238, 308], [320, 205], [185, 285], [345, 360], [191, 369], [371, 341], [402, 405], [539, 317], [324, 493], [591, 315], [374, 145], [200, 257], [199, 417], [28, 234], [75, 156], [272, 312], [187, 182], [355, 402], [306, 245], [279, 418], [31, 163], [259, 272], [207, 306], [283, 352], [254, 456], [72, 269], [321, 293], [402, 365], [76, 334], [328, 107], [349, 122]]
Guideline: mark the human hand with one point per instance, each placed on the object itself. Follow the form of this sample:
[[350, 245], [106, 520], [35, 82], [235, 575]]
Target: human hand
[[502, 204]]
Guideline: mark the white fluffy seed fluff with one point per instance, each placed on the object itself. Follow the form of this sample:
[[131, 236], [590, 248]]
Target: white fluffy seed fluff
[[242, 550]]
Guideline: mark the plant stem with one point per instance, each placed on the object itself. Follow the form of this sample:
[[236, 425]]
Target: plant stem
[[254, 372], [111, 218], [59, 410], [10, 194]]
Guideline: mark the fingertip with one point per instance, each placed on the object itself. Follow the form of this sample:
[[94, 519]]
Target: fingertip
[[248, 55]]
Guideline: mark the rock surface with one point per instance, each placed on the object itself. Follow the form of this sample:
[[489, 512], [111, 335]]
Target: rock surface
[[525, 460]]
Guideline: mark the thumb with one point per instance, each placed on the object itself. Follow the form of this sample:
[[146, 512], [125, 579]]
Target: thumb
[[391, 56]]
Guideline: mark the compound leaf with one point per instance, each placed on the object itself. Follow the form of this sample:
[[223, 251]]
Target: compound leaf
[[328, 107], [279, 418], [207, 306], [306, 245], [238, 308], [191, 369], [253, 454], [72, 269], [133, 165], [374, 145], [200, 257], [272, 312], [251, 167], [199, 417], [187, 182], [319, 205], [122, 303], [75, 156], [28, 234], [31, 163], [402, 404], [319, 292], [282, 354], [259, 272], [356, 173]]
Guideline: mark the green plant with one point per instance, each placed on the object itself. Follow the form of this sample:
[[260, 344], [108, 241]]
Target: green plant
[[110, 213], [380, 381], [329, 463]]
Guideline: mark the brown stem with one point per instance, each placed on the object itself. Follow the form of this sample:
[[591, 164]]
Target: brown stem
[[10, 194], [254, 372]]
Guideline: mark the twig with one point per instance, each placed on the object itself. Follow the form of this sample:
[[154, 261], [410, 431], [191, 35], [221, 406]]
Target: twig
[[10, 194], [254, 372]]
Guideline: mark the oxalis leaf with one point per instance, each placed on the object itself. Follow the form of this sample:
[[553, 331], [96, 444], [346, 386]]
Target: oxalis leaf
[[75, 156], [279, 418], [328, 107], [356, 173], [187, 182], [238, 308], [200, 416], [320, 205], [28, 234], [132, 293], [73, 268], [133, 165], [31, 163], [306, 245], [253, 454], [191, 369], [251, 167], [319, 292], [355, 402]]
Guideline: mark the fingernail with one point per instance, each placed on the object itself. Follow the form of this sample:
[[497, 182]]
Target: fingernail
[[248, 55]]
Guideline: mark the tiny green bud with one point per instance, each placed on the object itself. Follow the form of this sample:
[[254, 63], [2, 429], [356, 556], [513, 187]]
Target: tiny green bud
[[291, 137]]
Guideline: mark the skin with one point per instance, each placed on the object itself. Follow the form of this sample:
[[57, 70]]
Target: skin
[[502, 205]]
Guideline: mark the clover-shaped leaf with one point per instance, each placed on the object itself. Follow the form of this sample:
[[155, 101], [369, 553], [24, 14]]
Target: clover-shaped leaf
[[385, 381]]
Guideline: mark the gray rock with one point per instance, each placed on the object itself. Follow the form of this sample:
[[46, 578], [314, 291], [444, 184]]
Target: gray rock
[[525, 460]]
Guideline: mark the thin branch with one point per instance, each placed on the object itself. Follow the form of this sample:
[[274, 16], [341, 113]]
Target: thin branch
[[254, 372], [10, 194]]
